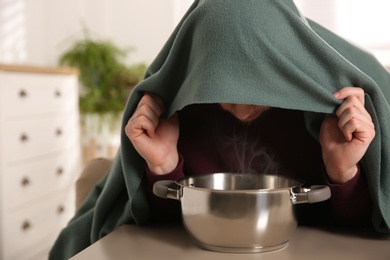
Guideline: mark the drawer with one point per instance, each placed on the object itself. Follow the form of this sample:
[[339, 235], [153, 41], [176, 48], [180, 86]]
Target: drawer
[[37, 222], [27, 94], [39, 251], [34, 137], [24, 183]]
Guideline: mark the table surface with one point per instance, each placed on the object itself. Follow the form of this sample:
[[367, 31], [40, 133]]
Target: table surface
[[160, 242]]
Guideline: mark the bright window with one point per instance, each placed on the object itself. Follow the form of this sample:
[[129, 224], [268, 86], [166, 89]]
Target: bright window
[[364, 22]]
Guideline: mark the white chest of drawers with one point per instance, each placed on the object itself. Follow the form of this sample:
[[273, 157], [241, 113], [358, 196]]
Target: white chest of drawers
[[39, 158]]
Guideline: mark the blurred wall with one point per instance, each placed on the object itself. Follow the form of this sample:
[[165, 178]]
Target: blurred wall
[[38, 31], [363, 22]]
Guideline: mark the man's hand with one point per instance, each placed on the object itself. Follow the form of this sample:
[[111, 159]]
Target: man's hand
[[345, 136], [154, 139]]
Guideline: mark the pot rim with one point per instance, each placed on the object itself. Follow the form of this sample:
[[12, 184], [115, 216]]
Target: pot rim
[[299, 183]]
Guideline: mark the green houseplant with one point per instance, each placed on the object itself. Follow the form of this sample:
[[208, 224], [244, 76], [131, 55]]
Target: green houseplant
[[105, 83], [105, 79]]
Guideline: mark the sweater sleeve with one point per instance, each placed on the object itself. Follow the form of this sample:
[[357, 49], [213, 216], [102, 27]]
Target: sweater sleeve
[[351, 202], [163, 209]]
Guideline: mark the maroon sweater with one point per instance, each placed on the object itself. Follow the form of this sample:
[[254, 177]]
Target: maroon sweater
[[212, 140]]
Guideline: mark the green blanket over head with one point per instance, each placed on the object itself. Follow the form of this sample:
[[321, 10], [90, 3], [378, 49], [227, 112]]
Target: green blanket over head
[[260, 52]]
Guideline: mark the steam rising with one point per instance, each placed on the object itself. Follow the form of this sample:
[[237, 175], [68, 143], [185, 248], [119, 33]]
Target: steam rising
[[245, 152]]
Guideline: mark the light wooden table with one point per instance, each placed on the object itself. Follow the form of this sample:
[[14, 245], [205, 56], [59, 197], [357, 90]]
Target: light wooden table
[[163, 242]]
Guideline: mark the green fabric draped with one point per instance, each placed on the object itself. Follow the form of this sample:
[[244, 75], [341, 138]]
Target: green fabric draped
[[261, 52]]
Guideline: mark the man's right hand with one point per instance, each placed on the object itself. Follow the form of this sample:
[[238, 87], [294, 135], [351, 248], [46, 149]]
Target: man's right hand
[[155, 139]]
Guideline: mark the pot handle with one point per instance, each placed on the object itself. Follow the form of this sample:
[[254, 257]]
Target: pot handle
[[314, 194], [167, 190]]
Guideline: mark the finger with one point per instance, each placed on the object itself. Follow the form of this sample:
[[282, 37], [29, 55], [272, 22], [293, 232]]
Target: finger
[[144, 120], [141, 125], [352, 113], [359, 130], [152, 101], [352, 119], [158, 100], [352, 105], [350, 91], [142, 113]]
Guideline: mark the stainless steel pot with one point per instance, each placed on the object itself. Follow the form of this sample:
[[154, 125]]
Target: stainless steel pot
[[239, 213]]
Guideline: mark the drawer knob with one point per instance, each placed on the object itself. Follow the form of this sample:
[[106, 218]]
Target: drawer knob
[[58, 132], [60, 171], [26, 225], [25, 182], [60, 209], [23, 93], [57, 93], [24, 138]]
